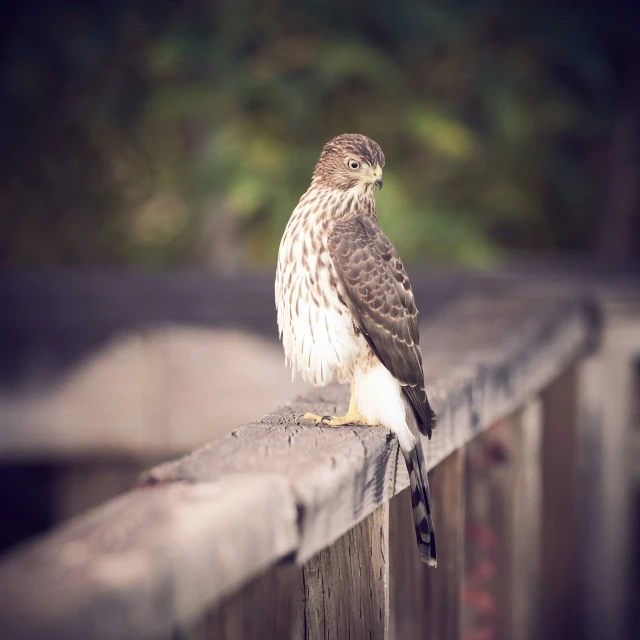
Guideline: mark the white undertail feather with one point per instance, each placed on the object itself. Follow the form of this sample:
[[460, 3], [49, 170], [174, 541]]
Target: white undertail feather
[[380, 400]]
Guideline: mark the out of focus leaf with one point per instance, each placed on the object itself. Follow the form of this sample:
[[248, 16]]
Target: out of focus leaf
[[126, 124], [441, 131]]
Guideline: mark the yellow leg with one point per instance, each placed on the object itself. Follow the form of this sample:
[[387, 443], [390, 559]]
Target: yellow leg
[[353, 415]]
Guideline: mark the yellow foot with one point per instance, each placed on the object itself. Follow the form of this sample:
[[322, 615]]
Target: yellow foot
[[341, 421]]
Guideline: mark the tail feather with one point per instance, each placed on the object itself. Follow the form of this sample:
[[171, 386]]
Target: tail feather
[[421, 502], [425, 417]]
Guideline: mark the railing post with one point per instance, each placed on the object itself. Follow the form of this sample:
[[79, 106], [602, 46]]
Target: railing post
[[345, 587], [262, 610], [609, 393], [425, 603], [559, 602], [503, 529], [527, 523]]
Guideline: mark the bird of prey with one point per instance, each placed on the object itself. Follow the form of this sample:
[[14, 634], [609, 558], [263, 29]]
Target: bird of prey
[[346, 309]]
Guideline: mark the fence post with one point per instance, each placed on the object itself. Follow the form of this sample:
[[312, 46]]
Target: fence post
[[425, 603], [559, 592], [345, 587], [527, 523], [503, 529], [262, 610]]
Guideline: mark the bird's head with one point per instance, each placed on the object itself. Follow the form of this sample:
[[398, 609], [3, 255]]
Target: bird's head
[[350, 162]]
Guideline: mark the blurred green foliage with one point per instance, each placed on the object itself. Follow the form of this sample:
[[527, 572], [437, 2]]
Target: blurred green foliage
[[173, 133]]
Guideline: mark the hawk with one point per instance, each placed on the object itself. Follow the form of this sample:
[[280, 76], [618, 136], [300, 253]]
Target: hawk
[[346, 309]]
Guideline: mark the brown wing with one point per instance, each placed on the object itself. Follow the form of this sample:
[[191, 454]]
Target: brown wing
[[379, 297]]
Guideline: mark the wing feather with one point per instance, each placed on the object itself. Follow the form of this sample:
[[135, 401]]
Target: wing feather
[[379, 296]]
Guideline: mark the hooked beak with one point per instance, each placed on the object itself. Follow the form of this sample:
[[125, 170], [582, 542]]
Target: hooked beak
[[377, 174]]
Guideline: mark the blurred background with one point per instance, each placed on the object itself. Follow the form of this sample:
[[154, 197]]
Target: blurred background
[[183, 133], [153, 153]]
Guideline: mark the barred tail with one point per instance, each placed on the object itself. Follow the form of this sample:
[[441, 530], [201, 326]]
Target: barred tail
[[421, 502]]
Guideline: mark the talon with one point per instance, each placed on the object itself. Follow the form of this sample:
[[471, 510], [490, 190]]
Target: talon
[[312, 416], [327, 418]]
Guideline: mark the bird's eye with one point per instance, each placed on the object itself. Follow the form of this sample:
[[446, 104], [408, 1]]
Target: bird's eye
[[353, 164]]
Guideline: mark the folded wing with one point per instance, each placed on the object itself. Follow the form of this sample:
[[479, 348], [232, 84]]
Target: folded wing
[[379, 296]]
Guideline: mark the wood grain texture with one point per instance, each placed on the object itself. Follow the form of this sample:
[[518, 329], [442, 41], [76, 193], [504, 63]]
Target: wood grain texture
[[490, 553], [503, 529], [483, 359], [261, 610], [560, 593], [345, 587], [303, 486], [407, 574], [338, 476], [487, 599], [504, 519], [609, 421], [147, 561], [526, 511], [426, 603], [442, 603]]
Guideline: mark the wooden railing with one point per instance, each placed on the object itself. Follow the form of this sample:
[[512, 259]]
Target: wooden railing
[[285, 530]]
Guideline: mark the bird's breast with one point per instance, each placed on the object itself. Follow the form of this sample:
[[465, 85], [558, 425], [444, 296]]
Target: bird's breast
[[316, 327]]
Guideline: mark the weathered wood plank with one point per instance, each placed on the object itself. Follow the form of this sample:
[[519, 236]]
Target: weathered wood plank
[[261, 610], [484, 358], [407, 574], [147, 561], [345, 587], [426, 603], [485, 554], [146, 396], [527, 523], [609, 416], [503, 523], [501, 444], [559, 604], [442, 606], [81, 486]]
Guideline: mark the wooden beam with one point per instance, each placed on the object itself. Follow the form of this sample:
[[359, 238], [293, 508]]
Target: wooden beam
[[503, 520], [560, 586], [425, 603], [526, 511], [345, 587], [264, 609], [445, 584], [78, 487], [210, 522], [486, 595], [146, 562], [609, 413], [485, 359]]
